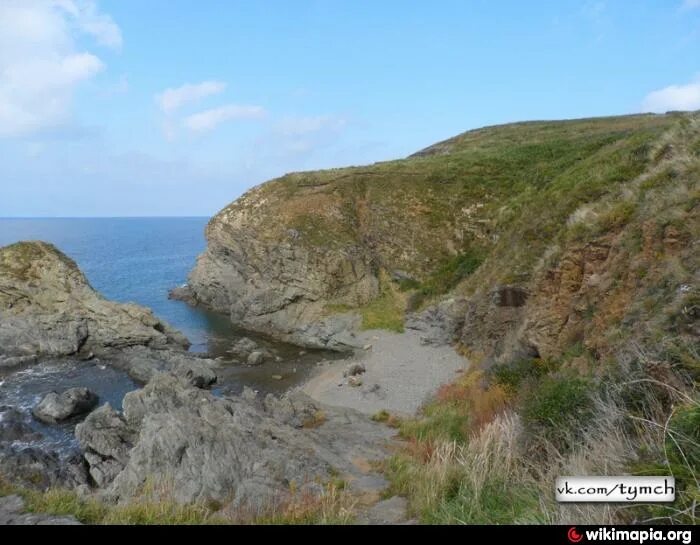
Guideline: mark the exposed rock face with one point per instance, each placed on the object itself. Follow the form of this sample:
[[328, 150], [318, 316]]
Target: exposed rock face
[[106, 440], [55, 407], [48, 308], [277, 285], [199, 447]]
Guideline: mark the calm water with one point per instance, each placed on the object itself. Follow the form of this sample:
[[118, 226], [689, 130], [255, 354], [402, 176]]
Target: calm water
[[129, 260], [139, 260]]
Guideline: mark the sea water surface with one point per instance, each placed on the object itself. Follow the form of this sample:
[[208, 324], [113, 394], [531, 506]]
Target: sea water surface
[[139, 260]]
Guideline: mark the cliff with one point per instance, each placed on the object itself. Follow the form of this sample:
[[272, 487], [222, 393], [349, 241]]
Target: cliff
[[304, 257]]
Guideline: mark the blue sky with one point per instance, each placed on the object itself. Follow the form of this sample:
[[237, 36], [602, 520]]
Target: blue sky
[[176, 107]]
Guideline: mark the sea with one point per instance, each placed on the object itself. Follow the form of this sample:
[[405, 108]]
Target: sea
[[139, 260]]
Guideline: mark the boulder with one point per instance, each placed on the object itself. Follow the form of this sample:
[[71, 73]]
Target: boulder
[[257, 357], [56, 407]]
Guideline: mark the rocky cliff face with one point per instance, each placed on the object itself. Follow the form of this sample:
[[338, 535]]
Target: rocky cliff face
[[48, 309], [297, 256]]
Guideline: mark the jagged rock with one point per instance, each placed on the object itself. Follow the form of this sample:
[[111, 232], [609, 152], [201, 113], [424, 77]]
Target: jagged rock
[[37, 468], [48, 308], [13, 512], [56, 407], [281, 285], [200, 447], [183, 293], [106, 440]]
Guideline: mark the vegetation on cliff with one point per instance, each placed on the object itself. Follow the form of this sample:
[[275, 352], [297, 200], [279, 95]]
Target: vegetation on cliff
[[573, 247], [596, 373]]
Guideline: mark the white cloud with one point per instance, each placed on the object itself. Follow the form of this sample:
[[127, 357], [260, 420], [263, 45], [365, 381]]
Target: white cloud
[[673, 97], [175, 98], [87, 17], [691, 4], [40, 66], [210, 119]]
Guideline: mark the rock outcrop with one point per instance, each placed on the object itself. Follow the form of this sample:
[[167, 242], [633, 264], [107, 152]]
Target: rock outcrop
[[48, 309], [195, 447]]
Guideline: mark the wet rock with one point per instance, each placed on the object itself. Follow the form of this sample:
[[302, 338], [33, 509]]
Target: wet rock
[[182, 293], [56, 407], [142, 363], [243, 347], [14, 426]]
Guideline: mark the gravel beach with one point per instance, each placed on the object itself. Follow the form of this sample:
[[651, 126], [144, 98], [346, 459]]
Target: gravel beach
[[401, 373]]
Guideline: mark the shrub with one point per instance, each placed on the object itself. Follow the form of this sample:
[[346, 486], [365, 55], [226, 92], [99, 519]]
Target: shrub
[[558, 409], [511, 376]]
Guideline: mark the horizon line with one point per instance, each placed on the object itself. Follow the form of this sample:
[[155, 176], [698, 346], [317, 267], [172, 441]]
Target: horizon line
[[98, 217]]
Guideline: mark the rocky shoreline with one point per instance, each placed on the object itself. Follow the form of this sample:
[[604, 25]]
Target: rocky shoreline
[[172, 435]]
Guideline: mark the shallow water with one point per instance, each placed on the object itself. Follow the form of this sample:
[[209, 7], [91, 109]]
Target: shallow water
[[23, 388], [139, 260]]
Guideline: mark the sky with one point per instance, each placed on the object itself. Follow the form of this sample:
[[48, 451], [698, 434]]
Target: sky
[[177, 107]]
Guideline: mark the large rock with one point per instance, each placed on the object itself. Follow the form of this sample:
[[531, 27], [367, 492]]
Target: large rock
[[56, 407], [48, 308], [142, 363], [193, 446]]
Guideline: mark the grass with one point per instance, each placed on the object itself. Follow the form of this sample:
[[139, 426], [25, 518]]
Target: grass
[[386, 311], [334, 506]]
